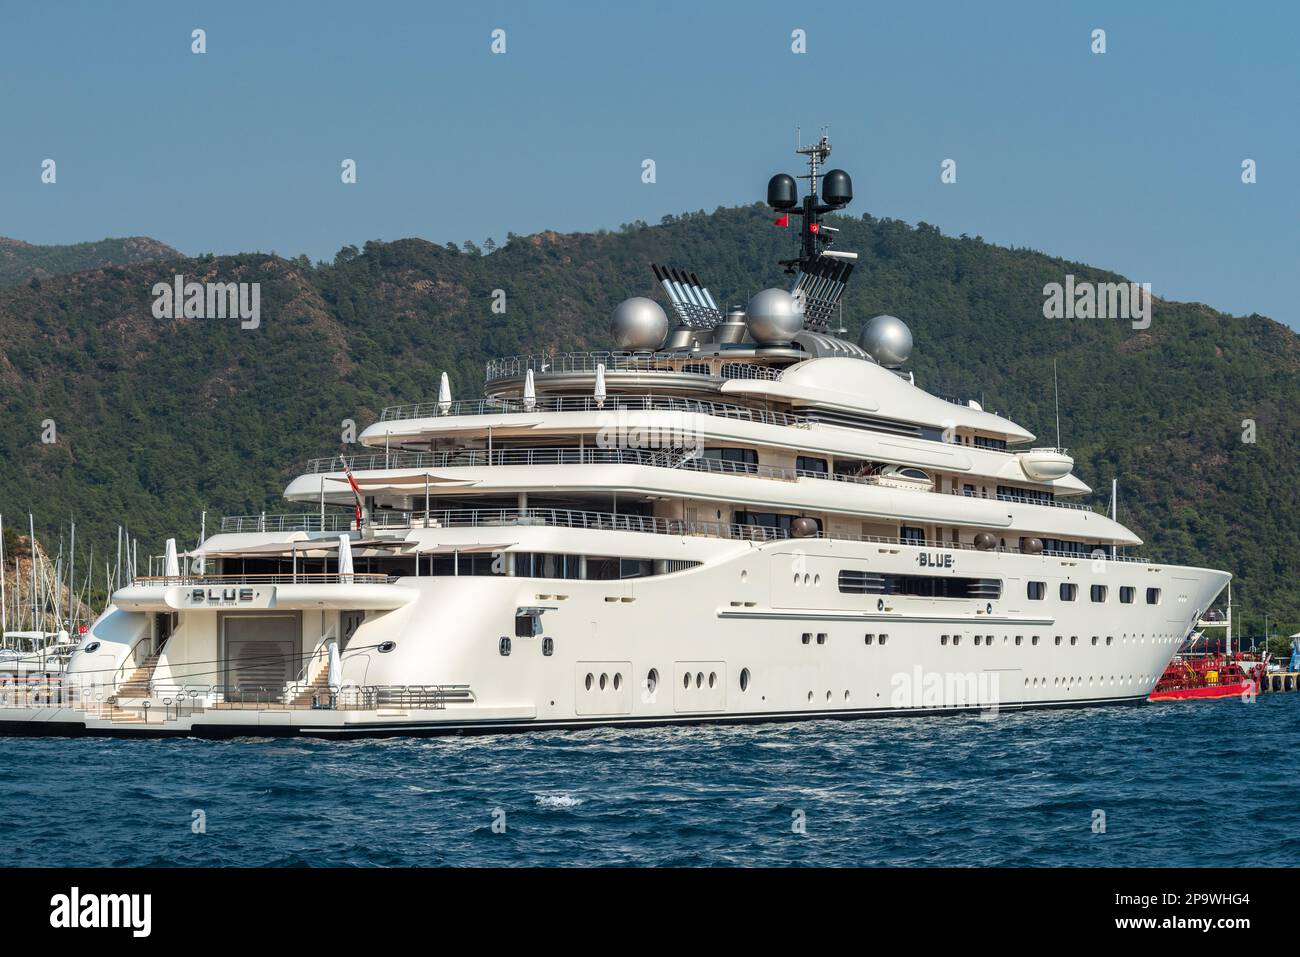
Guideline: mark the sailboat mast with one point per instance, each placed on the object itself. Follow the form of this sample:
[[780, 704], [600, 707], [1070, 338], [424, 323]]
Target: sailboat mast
[[4, 607], [31, 531]]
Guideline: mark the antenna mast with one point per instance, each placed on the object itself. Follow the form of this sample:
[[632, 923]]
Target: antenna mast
[[1056, 388]]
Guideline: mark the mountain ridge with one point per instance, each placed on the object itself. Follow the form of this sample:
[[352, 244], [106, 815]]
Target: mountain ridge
[[24, 262]]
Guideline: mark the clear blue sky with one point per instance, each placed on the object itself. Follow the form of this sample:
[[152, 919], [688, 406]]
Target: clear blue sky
[[1129, 160]]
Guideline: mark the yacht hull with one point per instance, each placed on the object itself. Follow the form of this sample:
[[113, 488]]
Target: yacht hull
[[755, 632]]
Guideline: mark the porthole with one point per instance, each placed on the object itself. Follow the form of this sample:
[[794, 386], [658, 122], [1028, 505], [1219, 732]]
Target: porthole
[[1109, 639], [883, 639], [385, 647], [1019, 639], [821, 637], [618, 681], [1035, 641], [817, 581], [91, 648], [956, 640], [652, 681], [590, 680], [699, 679], [744, 679], [604, 679], [1095, 639], [744, 576], [809, 695], [943, 639], [880, 604], [978, 639], [713, 678], [868, 639], [548, 647], [504, 645], [1058, 639], [806, 637], [1074, 640], [686, 680]]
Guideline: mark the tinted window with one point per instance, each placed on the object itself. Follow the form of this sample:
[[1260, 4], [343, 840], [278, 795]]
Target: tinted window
[[1098, 592], [1037, 590], [1153, 596], [1069, 591], [1126, 594]]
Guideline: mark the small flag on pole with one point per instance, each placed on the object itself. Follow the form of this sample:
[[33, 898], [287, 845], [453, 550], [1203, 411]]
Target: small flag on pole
[[356, 489], [783, 221]]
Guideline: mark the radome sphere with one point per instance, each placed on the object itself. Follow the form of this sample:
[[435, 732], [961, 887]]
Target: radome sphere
[[774, 317], [887, 340], [638, 325]]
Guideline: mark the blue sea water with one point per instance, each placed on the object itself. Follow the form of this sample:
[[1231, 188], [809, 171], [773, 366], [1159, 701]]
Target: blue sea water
[[1179, 784]]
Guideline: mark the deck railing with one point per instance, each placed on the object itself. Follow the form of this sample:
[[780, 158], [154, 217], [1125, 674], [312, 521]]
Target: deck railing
[[290, 522], [607, 521], [587, 403], [689, 460], [218, 581], [171, 700], [510, 367]]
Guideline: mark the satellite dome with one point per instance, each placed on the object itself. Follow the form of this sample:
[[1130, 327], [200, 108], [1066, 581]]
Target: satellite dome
[[782, 192], [774, 317], [887, 340], [837, 188], [638, 325]]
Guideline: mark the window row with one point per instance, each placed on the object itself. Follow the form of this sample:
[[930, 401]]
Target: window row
[[1069, 591], [858, 582]]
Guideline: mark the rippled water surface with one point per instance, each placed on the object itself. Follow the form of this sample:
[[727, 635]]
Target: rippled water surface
[[1179, 784]]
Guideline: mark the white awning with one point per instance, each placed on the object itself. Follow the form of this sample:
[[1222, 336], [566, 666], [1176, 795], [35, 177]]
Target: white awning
[[403, 481], [444, 549], [302, 547]]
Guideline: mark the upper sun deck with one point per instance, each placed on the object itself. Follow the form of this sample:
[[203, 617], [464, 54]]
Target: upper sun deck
[[777, 387]]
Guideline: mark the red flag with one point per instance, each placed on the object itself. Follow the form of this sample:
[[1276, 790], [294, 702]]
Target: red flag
[[812, 228], [783, 221], [356, 489]]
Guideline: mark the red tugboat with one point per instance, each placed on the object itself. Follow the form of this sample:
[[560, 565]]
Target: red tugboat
[[1193, 675]]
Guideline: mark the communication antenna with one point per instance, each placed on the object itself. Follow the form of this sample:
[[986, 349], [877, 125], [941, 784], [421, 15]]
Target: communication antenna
[[820, 272], [1056, 388]]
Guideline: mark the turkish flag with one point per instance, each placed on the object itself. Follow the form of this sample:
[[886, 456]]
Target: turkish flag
[[812, 228], [783, 221]]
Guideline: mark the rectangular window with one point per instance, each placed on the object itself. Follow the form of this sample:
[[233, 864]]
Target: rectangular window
[[1037, 590], [912, 535], [1069, 591], [1098, 592], [769, 520], [742, 456], [806, 463], [854, 582], [1126, 594], [1009, 493], [1153, 596]]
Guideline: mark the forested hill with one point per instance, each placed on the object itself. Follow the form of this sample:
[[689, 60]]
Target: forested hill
[[159, 419], [23, 262]]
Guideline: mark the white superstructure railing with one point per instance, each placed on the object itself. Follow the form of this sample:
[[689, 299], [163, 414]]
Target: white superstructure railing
[[656, 458]]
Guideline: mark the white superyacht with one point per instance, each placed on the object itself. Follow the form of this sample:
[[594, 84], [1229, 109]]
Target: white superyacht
[[744, 517]]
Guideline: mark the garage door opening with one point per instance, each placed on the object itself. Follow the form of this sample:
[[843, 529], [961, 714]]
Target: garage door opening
[[261, 655]]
